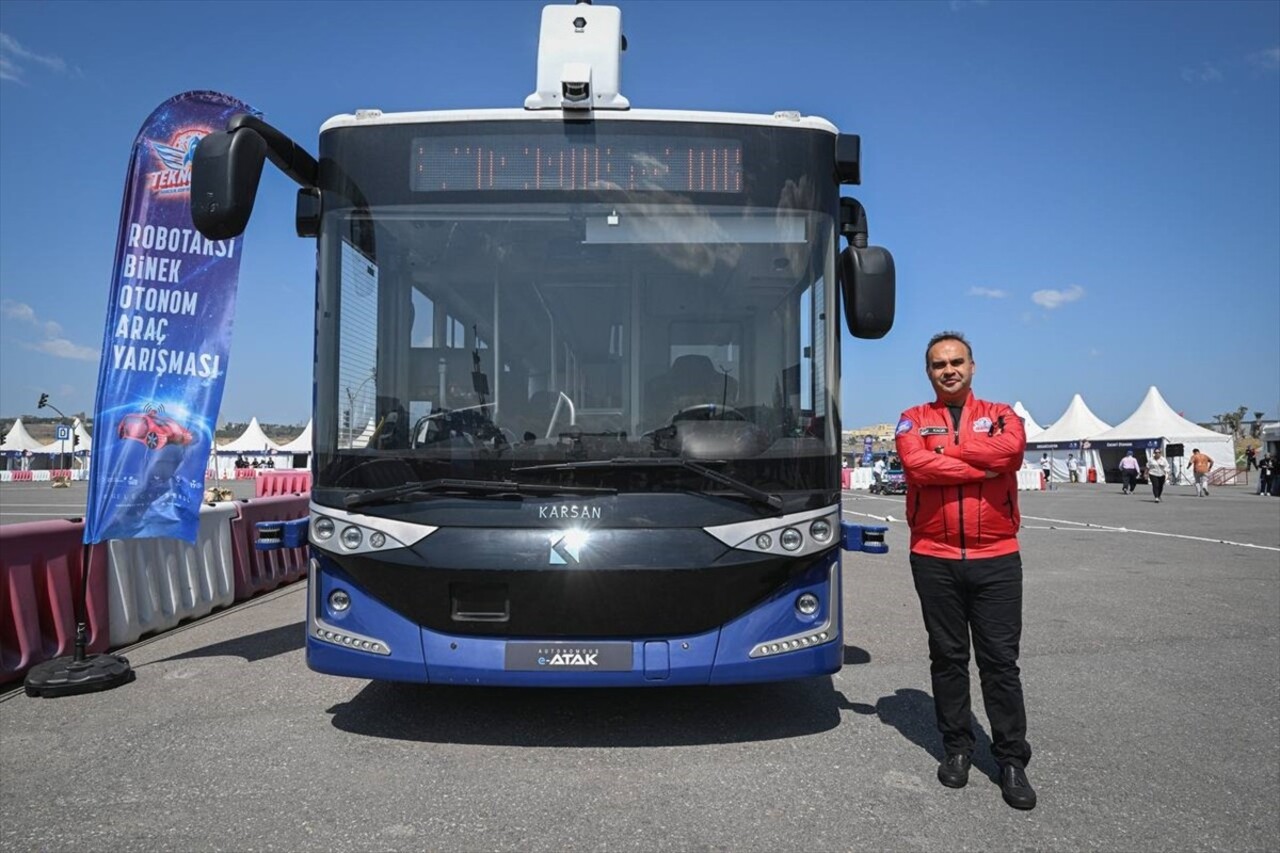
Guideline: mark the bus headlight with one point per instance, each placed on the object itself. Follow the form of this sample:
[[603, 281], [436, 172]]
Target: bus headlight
[[820, 530], [351, 537], [323, 528], [807, 604], [791, 539], [339, 601]]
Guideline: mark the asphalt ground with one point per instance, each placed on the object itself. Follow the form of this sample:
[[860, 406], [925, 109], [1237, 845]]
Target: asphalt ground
[[29, 501], [1151, 664]]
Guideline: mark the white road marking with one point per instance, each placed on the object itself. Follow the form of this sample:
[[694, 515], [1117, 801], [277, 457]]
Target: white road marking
[[1082, 526]]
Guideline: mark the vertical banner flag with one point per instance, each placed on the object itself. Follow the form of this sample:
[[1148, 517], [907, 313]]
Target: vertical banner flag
[[167, 339]]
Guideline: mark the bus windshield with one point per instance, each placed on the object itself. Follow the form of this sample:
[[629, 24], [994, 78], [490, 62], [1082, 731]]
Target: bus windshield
[[461, 338]]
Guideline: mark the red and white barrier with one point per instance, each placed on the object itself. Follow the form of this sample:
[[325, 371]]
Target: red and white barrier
[[282, 483], [41, 572], [155, 584], [259, 571]]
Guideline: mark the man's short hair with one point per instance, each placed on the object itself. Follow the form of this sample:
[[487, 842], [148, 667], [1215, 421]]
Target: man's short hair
[[947, 336], [1195, 450]]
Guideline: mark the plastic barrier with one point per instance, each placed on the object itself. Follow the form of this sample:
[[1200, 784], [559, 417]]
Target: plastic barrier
[[155, 584], [1093, 475], [862, 479], [259, 571], [22, 476], [41, 572], [1030, 480], [846, 478], [6, 476], [282, 483], [246, 473]]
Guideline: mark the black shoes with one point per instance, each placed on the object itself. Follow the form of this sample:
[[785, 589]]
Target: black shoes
[[954, 770], [1015, 787]]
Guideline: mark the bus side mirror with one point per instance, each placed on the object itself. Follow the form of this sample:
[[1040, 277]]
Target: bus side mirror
[[867, 280], [225, 171]]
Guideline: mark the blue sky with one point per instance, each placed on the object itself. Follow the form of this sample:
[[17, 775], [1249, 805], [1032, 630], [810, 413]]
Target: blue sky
[[1091, 192]]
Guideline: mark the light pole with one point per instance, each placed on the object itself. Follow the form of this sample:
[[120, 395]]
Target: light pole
[[62, 443], [351, 402]]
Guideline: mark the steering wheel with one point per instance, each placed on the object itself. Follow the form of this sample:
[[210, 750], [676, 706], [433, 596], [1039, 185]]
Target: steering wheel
[[708, 412]]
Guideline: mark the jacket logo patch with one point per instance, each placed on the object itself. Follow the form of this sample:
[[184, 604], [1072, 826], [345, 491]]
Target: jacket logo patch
[[904, 426], [982, 425], [934, 430]]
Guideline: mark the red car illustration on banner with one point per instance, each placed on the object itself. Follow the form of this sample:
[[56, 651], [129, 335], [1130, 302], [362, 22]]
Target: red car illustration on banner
[[154, 428]]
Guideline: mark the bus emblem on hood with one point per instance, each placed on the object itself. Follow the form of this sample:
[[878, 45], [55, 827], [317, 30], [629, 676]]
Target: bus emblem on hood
[[566, 547]]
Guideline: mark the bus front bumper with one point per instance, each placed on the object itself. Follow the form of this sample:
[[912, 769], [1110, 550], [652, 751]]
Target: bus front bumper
[[773, 641]]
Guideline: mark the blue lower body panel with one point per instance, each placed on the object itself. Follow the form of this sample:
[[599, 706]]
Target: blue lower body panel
[[772, 641]]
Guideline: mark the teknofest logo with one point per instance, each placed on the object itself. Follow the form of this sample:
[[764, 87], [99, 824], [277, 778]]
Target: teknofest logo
[[175, 156]]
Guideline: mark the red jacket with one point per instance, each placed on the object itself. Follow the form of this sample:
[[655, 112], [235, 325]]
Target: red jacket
[[955, 511]]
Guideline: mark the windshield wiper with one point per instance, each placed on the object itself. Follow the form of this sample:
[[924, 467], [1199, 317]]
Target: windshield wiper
[[470, 487], [770, 500]]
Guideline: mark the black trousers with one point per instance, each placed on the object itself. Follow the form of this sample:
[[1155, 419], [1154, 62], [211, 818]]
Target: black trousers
[[982, 597], [1130, 479], [1157, 485]]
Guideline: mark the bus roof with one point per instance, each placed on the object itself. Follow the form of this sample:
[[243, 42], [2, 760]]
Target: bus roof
[[785, 118]]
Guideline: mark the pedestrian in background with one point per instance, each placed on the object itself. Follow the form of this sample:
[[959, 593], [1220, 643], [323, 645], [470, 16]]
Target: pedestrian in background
[[1267, 474], [961, 456], [1157, 470], [1046, 469], [1073, 468], [1201, 465], [1129, 470]]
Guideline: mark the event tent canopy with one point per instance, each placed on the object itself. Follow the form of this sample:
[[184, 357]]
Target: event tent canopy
[[1068, 435], [18, 440], [301, 444], [1029, 423], [86, 442], [1076, 425], [1155, 422], [252, 440]]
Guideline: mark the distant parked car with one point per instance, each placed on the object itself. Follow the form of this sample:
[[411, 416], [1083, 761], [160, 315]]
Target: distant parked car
[[154, 428]]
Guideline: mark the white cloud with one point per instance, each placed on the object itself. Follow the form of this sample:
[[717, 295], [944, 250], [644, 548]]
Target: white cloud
[[1207, 72], [1053, 298], [1265, 60], [16, 61], [988, 292], [17, 310], [54, 343], [63, 348]]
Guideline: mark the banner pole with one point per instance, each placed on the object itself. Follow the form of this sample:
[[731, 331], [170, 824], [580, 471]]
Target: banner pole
[[79, 672]]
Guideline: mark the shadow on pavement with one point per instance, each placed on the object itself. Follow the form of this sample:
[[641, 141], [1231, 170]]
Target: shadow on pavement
[[854, 655], [253, 647], [570, 717], [911, 712]]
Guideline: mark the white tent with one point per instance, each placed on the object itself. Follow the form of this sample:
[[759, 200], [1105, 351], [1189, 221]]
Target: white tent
[[1029, 423], [86, 441], [252, 441], [1155, 424], [300, 446], [22, 451], [1069, 434]]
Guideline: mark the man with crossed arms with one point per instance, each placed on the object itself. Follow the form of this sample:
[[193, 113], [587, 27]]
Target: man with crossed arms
[[961, 456]]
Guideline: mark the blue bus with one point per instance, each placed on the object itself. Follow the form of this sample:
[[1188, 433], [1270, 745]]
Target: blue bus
[[576, 380]]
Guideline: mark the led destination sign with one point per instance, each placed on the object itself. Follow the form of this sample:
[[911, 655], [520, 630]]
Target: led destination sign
[[519, 163]]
